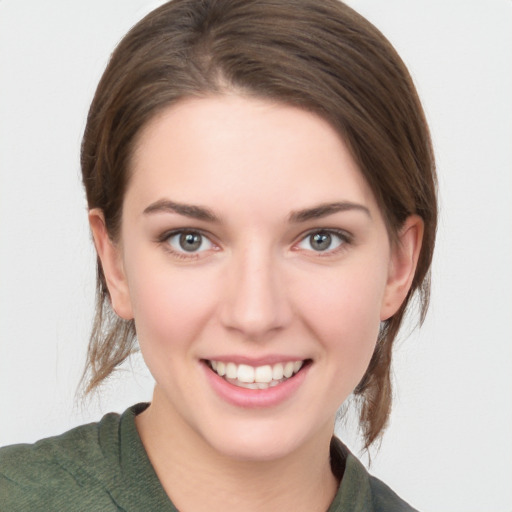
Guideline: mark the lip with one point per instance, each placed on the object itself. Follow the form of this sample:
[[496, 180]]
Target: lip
[[254, 398]]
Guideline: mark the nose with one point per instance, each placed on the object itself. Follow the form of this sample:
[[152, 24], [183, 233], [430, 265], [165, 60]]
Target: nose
[[255, 302]]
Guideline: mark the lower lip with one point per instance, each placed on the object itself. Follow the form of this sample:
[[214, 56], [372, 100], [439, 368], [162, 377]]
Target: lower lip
[[255, 398]]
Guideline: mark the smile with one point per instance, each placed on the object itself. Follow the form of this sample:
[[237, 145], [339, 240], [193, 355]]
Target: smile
[[259, 377]]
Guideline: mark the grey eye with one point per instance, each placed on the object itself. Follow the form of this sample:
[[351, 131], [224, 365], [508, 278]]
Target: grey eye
[[189, 241], [321, 241]]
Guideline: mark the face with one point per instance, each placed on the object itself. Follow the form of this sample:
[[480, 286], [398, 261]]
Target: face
[[258, 268]]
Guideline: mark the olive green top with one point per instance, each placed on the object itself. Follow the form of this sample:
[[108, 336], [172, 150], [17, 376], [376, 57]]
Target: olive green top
[[104, 467]]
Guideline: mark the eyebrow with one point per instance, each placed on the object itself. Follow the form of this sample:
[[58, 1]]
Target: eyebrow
[[202, 213], [187, 210], [323, 210]]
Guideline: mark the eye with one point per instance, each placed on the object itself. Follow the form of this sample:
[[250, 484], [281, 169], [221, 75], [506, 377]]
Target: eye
[[323, 241], [189, 242]]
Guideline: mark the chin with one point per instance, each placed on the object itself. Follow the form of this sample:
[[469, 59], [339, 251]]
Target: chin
[[257, 449], [260, 443]]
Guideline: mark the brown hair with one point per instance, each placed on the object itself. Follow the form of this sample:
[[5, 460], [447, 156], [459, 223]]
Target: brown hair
[[320, 56]]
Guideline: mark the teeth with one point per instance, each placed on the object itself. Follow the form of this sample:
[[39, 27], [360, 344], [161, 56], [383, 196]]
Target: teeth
[[288, 370], [245, 373], [220, 368], [277, 372], [263, 374], [231, 371], [260, 377]]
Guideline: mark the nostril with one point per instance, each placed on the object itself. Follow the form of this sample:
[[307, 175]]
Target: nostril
[[254, 302]]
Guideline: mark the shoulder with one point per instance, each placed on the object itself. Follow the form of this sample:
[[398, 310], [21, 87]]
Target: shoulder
[[59, 472], [385, 499], [360, 491]]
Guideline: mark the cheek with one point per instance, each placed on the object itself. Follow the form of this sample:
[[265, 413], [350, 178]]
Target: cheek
[[170, 305], [343, 310]]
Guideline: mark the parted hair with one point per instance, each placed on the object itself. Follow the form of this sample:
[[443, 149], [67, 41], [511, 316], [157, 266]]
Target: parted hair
[[317, 55]]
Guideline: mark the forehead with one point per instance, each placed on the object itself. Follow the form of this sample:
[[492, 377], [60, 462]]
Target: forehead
[[248, 150]]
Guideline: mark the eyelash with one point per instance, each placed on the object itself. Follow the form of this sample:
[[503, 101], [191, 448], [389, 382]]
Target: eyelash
[[344, 237], [164, 239]]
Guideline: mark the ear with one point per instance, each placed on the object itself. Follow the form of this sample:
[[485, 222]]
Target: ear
[[112, 264], [402, 266]]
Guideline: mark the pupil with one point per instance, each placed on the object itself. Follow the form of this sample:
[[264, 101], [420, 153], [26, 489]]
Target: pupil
[[321, 241], [190, 241]]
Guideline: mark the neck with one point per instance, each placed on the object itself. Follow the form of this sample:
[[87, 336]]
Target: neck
[[193, 474]]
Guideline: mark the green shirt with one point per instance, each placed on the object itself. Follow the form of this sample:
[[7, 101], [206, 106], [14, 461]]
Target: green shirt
[[104, 467]]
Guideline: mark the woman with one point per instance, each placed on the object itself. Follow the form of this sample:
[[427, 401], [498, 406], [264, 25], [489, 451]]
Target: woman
[[261, 194]]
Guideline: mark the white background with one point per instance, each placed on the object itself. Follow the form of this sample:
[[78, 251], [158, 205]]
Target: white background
[[449, 445]]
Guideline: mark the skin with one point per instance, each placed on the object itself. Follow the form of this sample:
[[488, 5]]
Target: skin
[[257, 288]]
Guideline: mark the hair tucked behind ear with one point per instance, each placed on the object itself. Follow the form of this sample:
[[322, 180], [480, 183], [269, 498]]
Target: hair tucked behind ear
[[375, 388], [317, 55], [112, 340]]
